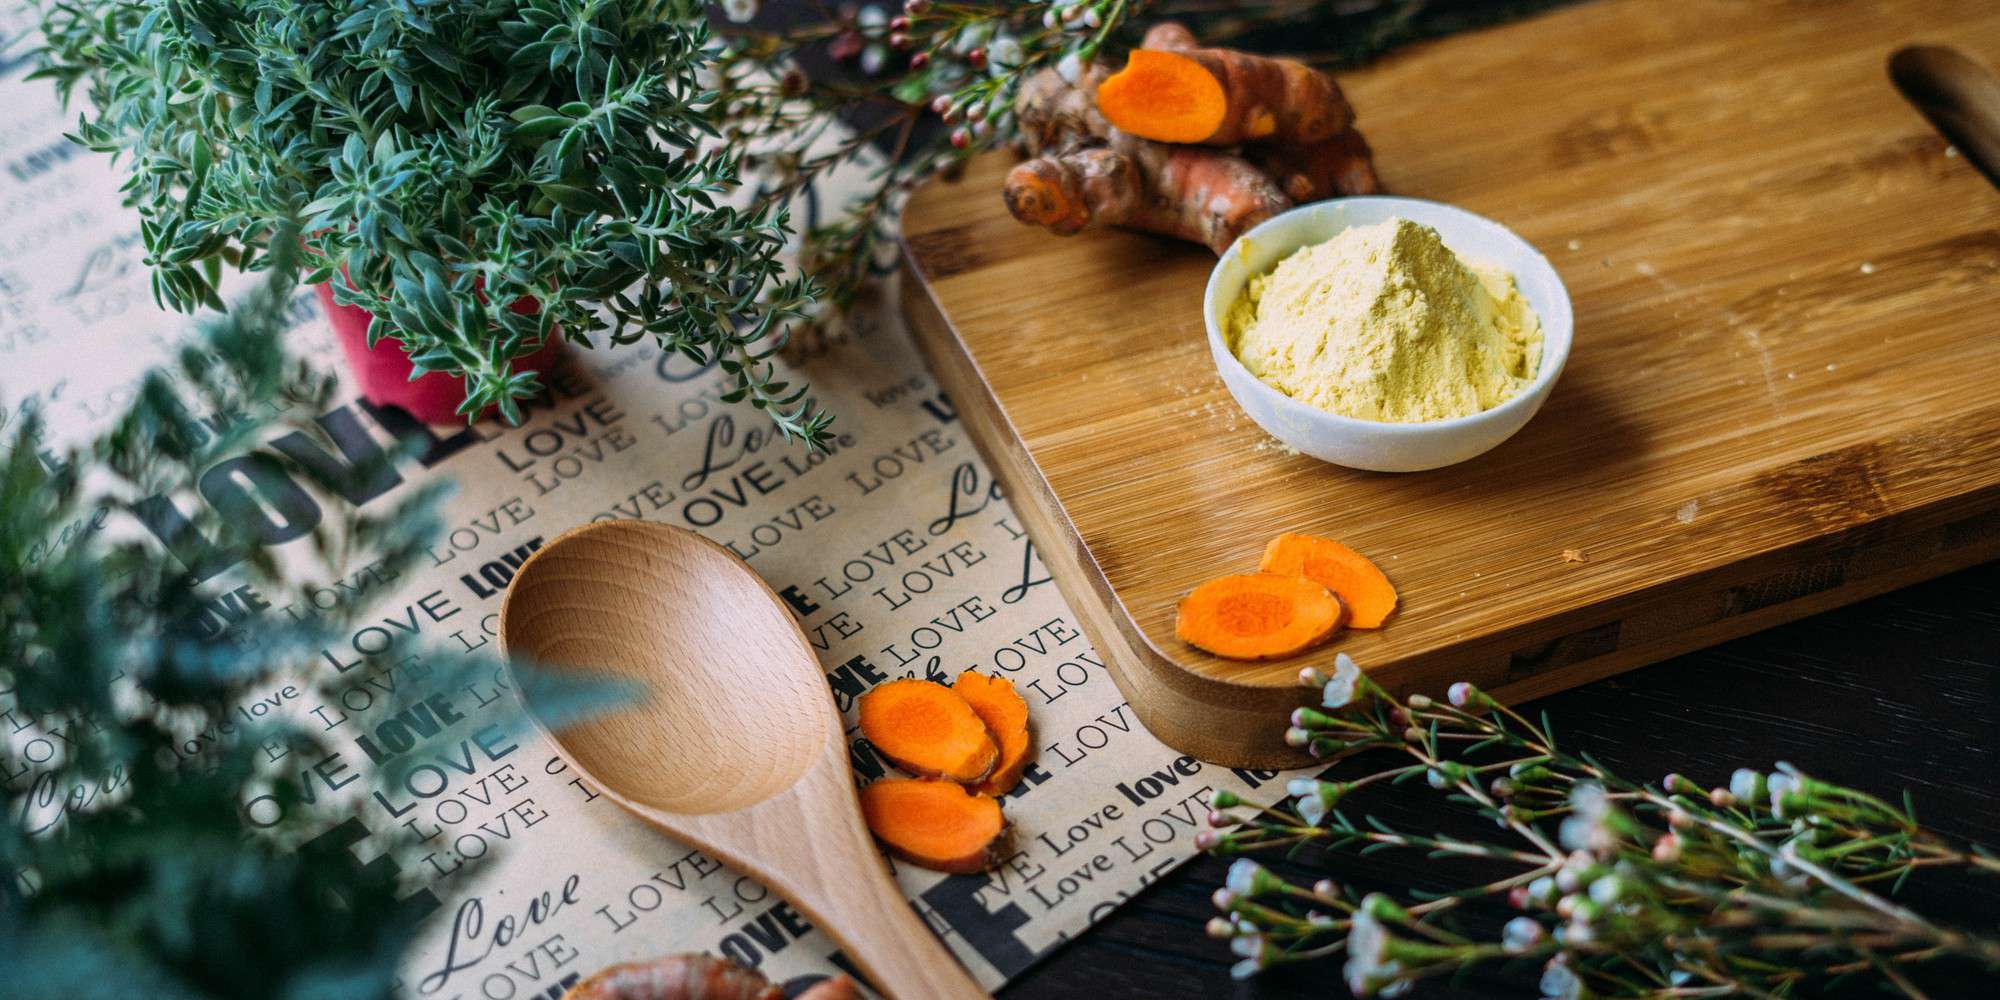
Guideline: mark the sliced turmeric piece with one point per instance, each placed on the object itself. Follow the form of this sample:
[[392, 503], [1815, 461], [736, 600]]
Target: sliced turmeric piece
[[1258, 616], [1006, 717], [1163, 96], [1368, 594], [926, 729], [1222, 97], [936, 824]]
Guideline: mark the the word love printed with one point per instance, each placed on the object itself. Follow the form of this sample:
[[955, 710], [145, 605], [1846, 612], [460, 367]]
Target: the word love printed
[[473, 940], [970, 493]]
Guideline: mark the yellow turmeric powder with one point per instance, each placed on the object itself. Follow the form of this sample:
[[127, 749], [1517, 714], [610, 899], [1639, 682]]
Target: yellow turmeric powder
[[1385, 322]]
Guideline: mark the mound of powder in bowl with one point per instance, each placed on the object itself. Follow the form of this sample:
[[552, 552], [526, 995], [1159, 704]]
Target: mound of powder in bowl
[[1385, 322]]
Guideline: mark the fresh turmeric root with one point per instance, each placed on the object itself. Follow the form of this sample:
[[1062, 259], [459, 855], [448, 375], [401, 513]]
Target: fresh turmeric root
[[1258, 616], [1172, 90], [926, 729], [1006, 717], [1342, 165], [696, 977], [936, 824], [1193, 194], [1087, 172], [1360, 585], [1169, 36], [1090, 174]]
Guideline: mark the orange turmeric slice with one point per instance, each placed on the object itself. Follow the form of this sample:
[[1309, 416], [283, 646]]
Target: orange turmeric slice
[[1163, 96], [1368, 594], [1258, 616], [926, 729], [1222, 97], [936, 824], [1006, 717]]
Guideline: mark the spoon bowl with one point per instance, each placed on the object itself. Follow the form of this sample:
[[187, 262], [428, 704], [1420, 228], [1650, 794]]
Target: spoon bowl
[[735, 746], [740, 726]]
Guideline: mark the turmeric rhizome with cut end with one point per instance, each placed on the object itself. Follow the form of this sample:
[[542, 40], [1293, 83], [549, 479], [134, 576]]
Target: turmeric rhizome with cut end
[[1160, 145], [1221, 97], [695, 976]]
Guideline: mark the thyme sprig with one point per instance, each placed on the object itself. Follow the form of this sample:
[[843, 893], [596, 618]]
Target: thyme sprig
[[1771, 884]]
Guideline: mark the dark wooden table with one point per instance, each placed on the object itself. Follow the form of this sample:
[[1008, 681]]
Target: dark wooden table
[[1899, 692]]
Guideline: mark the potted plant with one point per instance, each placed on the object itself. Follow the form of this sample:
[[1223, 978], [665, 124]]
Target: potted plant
[[475, 180]]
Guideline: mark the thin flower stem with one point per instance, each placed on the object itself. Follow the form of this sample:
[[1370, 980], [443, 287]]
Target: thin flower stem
[[1462, 847], [1310, 897], [1489, 889], [1895, 977], [1732, 986], [1828, 878], [1478, 794]]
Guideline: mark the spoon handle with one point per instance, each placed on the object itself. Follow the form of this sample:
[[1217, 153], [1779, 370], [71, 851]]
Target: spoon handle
[[837, 877], [809, 846], [868, 915]]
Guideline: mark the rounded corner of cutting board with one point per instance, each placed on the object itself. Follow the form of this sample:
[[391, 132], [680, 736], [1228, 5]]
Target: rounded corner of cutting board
[[1234, 725], [920, 198], [1220, 711], [1212, 719], [1217, 720], [981, 174]]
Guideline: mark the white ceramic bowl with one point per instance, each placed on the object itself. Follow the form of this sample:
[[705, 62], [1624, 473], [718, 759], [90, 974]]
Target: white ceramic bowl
[[1369, 444]]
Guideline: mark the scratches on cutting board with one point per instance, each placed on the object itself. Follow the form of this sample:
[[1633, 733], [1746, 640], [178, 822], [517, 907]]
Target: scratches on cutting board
[[1752, 336]]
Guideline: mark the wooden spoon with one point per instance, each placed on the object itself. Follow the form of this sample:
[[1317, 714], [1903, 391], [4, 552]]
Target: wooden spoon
[[735, 747]]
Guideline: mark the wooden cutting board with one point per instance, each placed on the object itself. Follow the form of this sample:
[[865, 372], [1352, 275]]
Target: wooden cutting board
[[1784, 393]]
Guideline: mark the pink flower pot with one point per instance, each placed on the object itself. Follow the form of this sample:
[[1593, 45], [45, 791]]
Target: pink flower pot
[[383, 371]]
